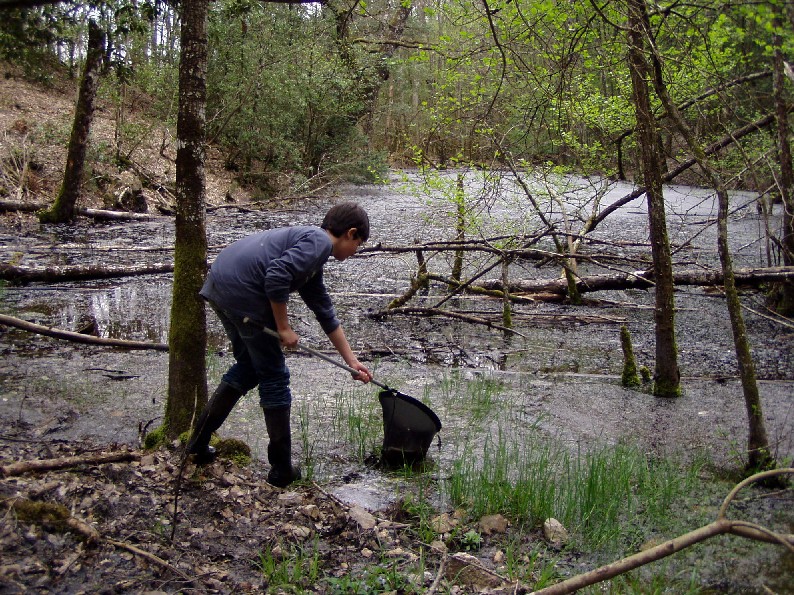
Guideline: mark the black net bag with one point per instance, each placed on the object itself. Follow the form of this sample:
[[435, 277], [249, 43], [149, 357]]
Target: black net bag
[[408, 428]]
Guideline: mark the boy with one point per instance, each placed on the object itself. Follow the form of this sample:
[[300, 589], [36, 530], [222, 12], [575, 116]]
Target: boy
[[248, 287]]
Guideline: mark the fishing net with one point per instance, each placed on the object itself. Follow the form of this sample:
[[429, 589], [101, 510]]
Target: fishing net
[[408, 428]]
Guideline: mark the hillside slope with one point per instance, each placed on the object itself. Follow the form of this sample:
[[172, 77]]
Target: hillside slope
[[35, 124]]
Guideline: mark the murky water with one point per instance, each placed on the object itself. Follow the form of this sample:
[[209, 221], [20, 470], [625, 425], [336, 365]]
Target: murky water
[[560, 376]]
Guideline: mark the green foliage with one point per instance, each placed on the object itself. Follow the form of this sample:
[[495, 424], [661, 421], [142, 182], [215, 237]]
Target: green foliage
[[155, 439], [471, 540], [285, 100], [27, 36], [384, 578], [300, 92], [295, 567], [419, 508], [595, 493]]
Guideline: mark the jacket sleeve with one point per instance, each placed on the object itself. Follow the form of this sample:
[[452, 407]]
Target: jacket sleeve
[[317, 299]]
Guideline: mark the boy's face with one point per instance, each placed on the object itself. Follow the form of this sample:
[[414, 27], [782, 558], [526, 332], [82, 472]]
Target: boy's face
[[346, 245]]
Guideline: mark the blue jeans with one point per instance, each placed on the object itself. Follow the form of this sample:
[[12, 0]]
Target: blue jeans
[[259, 360]]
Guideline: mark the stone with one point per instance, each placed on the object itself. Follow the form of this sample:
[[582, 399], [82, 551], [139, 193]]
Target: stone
[[554, 532], [493, 523], [364, 519], [438, 546], [290, 498], [465, 569], [442, 523]]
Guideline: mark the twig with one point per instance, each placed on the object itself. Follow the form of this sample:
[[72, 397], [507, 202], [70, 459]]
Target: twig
[[151, 557], [441, 568]]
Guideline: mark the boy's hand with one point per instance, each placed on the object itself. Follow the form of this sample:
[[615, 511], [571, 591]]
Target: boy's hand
[[289, 338], [363, 374]]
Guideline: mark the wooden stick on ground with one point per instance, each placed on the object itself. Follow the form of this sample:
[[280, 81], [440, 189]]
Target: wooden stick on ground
[[14, 469]]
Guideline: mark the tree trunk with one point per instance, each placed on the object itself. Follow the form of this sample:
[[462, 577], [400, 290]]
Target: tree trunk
[[785, 299], [63, 209], [758, 451], [187, 339], [667, 376]]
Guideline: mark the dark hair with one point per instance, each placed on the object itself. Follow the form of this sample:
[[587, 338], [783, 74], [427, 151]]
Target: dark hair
[[344, 216]]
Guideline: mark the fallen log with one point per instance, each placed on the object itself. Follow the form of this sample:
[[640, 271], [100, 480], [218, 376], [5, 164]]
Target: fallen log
[[77, 337], [99, 214], [641, 280], [52, 274]]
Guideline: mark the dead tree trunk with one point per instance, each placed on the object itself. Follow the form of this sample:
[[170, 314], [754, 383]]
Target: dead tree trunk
[[63, 210], [667, 377], [60, 273]]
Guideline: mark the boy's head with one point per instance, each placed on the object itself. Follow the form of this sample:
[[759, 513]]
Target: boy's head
[[345, 216]]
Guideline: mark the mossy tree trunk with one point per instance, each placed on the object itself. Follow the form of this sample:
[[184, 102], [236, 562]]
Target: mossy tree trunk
[[63, 209], [629, 377], [759, 454], [667, 377], [187, 339]]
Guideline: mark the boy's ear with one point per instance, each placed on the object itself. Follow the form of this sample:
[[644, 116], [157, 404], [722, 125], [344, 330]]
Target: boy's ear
[[350, 234]]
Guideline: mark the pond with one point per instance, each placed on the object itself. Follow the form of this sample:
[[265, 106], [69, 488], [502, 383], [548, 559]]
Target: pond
[[558, 377]]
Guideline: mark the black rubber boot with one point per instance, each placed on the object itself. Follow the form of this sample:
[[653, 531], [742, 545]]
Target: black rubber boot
[[215, 413], [279, 449]]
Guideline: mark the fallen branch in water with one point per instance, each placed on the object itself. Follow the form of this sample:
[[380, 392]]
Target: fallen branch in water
[[78, 337], [721, 526], [51, 274], [641, 280], [444, 313]]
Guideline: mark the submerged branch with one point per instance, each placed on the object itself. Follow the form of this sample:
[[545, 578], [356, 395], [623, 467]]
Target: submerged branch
[[99, 214], [443, 313]]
